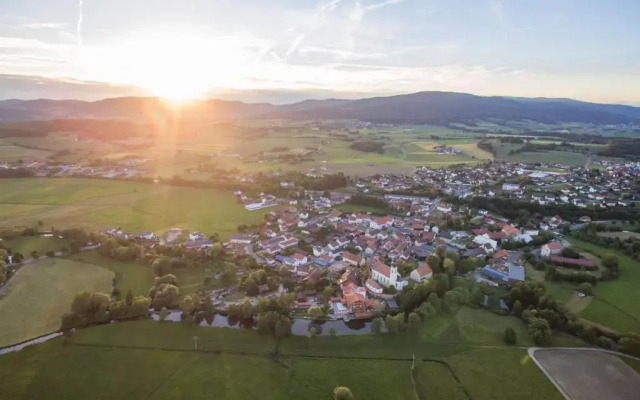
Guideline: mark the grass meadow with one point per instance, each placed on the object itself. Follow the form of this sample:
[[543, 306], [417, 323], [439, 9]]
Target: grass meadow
[[615, 303], [36, 297], [147, 359], [100, 204]]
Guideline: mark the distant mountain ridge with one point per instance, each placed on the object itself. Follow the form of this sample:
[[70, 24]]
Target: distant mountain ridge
[[415, 108]]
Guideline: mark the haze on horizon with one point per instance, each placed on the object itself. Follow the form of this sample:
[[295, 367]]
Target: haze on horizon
[[288, 50]]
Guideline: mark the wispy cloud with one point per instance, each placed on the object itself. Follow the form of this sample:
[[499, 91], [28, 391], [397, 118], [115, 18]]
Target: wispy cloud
[[330, 5], [80, 18], [45, 25], [382, 4], [295, 44]]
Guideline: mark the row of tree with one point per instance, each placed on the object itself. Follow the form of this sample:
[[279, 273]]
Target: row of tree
[[99, 308]]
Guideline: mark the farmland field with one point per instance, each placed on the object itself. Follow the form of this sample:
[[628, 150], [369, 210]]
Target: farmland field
[[129, 275], [100, 204], [138, 277], [615, 303], [561, 157], [154, 360], [422, 153], [37, 296], [568, 368], [40, 244]]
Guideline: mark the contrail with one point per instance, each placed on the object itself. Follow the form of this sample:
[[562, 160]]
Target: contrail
[[79, 28]]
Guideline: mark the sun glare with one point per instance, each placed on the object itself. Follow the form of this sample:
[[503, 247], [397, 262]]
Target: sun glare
[[178, 68]]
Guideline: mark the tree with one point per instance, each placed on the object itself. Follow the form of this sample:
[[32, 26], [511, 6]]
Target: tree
[[315, 312], [129, 298], [476, 297], [449, 266], [435, 302], [313, 332], [3, 272], [252, 288], [509, 336], [166, 295], [342, 393], [442, 283], [610, 261], [517, 309], [161, 266], [493, 301], [267, 322], [282, 327], [586, 288], [391, 323], [234, 311], [376, 325], [540, 331], [414, 320], [247, 309], [434, 262], [17, 257], [164, 313], [187, 304], [139, 307], [81, 303], [630, 344]]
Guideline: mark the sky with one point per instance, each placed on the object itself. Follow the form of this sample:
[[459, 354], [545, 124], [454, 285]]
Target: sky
[[288, 50]]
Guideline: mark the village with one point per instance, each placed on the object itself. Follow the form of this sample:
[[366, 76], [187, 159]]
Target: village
[[367, 258]]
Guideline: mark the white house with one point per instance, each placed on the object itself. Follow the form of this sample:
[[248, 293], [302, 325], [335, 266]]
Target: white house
[[387, 276], [485, 240], [352, 259], [373, 286], [381, 222], [551, 249], [421, 273]]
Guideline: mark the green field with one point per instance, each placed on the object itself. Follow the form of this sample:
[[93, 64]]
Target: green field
[[422, 153], [129, 275], [37, 296], [41, 244], [355, 208], [147, 359], [615, 303], [550, 157], [138, 277], [100, 204]]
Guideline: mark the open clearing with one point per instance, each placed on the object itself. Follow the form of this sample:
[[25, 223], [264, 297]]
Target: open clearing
[[561, 157], [129, 275], [41, 244], [41, 292], [138, 277], [585, 374], [615, 303], [100, 204], [147, 359], [423, 153]]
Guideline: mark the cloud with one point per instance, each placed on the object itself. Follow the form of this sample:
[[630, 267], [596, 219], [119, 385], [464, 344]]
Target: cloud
[[45, 25], [79, 27], [497, 9], [295, 44], [382, 4], [330, 6]]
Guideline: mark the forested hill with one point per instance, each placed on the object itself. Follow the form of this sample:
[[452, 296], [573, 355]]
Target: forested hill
[[416, 108]]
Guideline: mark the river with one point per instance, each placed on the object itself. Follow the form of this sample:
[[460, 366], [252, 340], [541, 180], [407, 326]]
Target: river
[[300, 327]]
